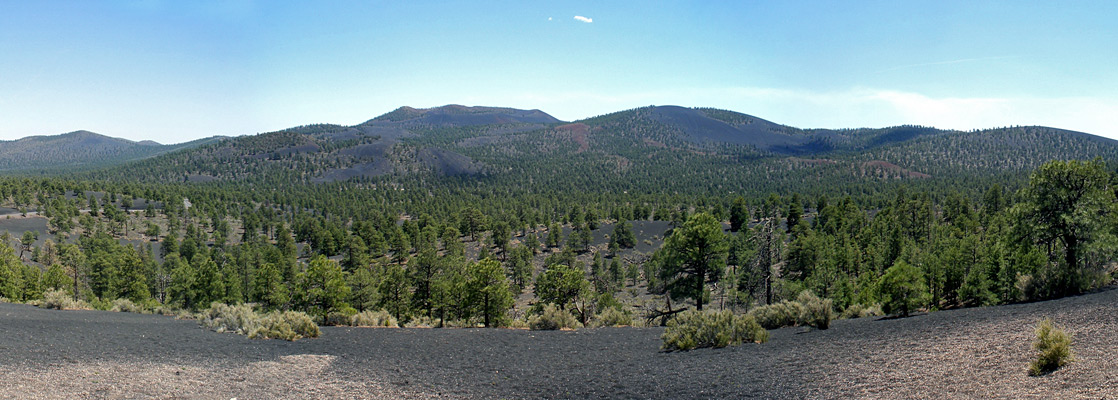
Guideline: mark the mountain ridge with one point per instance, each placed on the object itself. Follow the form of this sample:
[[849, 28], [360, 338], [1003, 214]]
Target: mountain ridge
[[80, 149], [677, 145]]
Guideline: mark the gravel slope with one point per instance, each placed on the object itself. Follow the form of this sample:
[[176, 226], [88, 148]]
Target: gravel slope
[[950, 354]]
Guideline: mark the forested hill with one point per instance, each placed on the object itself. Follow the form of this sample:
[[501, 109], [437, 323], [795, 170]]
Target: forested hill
[[80, 149], [665, 149]]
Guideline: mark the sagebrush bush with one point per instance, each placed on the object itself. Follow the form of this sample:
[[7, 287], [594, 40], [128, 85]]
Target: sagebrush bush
[[381, 318], [240, 319], [611, 316], [100, 304], [552, 318], [1053, 345], [814, 311], [286, 325], [517, 323], [422, 321], [777, 315], [694, 329], [126, 305], [60, 299], [861, 311], [341, 317]]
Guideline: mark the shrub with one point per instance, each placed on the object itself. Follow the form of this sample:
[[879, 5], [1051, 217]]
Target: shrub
[[421, 322], [61, 300], [380, 318], [517, 323], [858, 310], [341, 317], [100, 304], [611, 316], [902, 289], [1054, 347], [814, 311], [225, 318], [777, 315], [693, 329], [286, 325], [552, 318], [125, 305]]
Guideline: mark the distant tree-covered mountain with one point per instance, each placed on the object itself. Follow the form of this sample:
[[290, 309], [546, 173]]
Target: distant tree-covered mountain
[[649, 150], [80, 149]]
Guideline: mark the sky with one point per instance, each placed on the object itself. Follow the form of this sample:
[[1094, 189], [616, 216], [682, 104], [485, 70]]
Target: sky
[[173, 71]]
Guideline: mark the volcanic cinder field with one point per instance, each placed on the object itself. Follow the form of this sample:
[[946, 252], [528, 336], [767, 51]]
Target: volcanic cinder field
[[969, 353]]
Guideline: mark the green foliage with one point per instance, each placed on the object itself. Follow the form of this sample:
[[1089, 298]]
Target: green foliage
[[1069, 204], [519, 266], [56, 278], [623, 235], [488, 292], [739, 215], [322, 287], [560, 285], [395, 295], [694, 255], [611, 316], [11, 273], [696, 329], [902, 289], [1053, 345], [553, 318]]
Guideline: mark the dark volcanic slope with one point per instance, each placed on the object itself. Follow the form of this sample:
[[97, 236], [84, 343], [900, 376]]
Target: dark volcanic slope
[[966, 353]]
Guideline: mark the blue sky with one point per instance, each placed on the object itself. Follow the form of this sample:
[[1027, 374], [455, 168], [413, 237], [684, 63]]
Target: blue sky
[[173, 71]]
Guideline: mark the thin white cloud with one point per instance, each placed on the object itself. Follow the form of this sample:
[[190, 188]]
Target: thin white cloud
[[583, 19]]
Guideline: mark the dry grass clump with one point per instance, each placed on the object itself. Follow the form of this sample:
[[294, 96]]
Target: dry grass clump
[[814, 311], [807, 310], [777, 315], [240, 319], [341, 317], [552, 318], [61, 300], [695, 329], [125, 305], [382, 319], [169, 311], [611, 316], [421, 322], [286, 325], [1054, 347], [862, 311], [517, 323]]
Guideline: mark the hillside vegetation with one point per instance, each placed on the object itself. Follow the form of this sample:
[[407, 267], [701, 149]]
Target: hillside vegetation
[[475, 215], [80, 149]]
